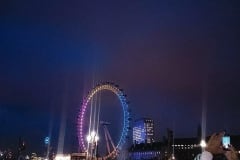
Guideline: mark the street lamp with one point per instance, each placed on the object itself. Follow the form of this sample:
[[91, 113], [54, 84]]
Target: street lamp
[[203, 144], [47, 144], [172, 157], [92, 139]]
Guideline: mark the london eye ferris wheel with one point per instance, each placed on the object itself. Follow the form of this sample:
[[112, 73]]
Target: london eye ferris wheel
[[93, 125]]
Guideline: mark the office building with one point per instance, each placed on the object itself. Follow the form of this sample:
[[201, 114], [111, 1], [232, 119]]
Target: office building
[[143, 131]]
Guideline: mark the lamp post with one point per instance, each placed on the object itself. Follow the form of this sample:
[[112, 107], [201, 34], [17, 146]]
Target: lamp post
[[47, 144], [92, 139], [203, 144]]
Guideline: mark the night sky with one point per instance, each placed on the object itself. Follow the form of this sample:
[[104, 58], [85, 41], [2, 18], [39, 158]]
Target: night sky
[[169, 57]]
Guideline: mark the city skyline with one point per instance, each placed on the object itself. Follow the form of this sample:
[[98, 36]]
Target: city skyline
[[176, 62]]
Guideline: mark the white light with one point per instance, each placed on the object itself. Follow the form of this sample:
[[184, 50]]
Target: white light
[[203, 143], [92, 137], [93, 134], [89, 138], [96, 138], [62, 157], [172, 157]]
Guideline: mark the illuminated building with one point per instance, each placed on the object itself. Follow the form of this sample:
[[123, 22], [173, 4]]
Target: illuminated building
[[181, 148], [143, 131]]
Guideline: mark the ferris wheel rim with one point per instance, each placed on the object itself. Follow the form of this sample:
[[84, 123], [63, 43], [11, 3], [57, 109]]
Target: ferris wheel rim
[[124, 104]]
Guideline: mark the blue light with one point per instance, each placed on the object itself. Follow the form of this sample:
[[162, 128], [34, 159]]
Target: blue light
[[46, 140]]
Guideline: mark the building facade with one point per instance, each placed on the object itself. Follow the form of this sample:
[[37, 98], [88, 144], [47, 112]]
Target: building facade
[[143, 131]]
